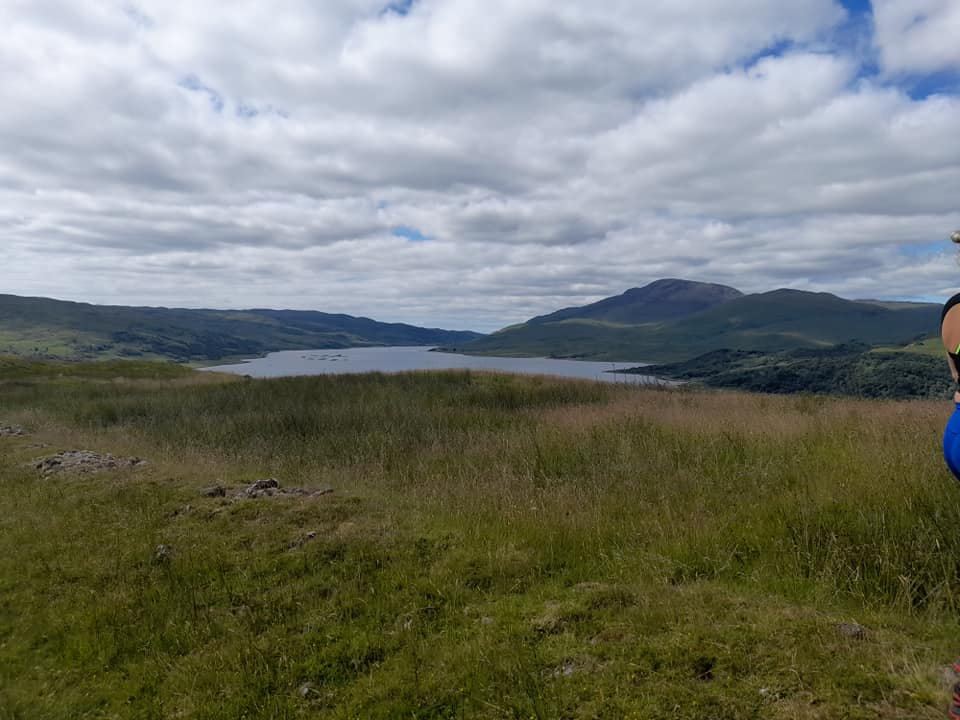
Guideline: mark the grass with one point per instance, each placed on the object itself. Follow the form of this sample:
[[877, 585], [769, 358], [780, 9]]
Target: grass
[[496, 547], [929, 346]]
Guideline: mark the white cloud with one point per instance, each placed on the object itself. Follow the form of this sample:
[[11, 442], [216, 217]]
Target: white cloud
[[918, 36], [553, 152]]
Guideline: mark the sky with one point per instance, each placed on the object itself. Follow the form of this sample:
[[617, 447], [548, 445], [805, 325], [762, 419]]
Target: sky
[[468, 164]]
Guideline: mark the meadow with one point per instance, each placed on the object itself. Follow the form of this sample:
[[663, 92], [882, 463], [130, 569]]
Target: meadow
[[494, 547]]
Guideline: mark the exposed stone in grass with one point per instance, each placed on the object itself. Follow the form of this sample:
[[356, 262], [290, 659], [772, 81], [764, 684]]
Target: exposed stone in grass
[[214, 491], [11, 431], [163, 553], [574, 666], [270, 487], [303, 539], [267, 487], [84, 461], [854, 630]]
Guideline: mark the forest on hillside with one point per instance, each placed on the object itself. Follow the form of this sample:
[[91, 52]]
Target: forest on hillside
[[853, 370]]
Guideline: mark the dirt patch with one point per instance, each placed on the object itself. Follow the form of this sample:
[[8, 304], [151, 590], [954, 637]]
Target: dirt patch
[[75, 462]]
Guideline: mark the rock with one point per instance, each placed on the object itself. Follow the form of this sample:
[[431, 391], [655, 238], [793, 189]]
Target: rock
[[11, 431], [163, 553], [267, 484], [84, 461], [182, 510], [575, 666], [854, 630], [270, 487], [305, 690], [303, 540], [214, 491], [261, 488]]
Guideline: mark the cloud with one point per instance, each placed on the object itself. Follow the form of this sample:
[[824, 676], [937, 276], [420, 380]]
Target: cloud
[[918, 36], [285, 154]]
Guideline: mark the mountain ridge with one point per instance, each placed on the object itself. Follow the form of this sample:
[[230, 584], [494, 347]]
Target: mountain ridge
[[63, 329], [660, 300], [772, 321]]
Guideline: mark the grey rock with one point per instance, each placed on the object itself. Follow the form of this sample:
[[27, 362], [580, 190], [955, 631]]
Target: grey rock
[[261, 488], [303, 539], [163, 553], [214, 492], [270, 487], [852, 629], [305, 690], [11, 431], [84, 461]]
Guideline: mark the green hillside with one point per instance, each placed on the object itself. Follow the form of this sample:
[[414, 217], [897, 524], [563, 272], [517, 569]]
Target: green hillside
[[55, 329], [770, 322]]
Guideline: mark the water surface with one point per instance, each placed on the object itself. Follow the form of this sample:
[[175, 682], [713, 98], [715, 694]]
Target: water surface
[[399, 359]]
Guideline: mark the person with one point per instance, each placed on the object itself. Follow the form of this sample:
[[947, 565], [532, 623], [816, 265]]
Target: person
[[950, 334]]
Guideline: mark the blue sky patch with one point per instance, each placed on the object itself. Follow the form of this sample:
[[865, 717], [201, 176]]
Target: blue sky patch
[[920, 87], [777, 49], [193, 83], [925, 249], [409, 233], [857, 7], [398, 7]]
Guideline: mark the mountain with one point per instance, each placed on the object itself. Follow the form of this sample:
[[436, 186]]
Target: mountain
[[773, 321], [40, 327], [660, 300]]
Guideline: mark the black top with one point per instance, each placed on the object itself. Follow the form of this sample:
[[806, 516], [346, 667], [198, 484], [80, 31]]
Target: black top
[[955, 300]]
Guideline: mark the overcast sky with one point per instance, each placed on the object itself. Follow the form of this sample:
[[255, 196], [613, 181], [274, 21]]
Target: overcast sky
[[471, 163]]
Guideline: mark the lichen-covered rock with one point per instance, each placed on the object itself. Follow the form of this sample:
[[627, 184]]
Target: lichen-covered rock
[[852, 629], [270, 487], [84, 461], [163, 553]]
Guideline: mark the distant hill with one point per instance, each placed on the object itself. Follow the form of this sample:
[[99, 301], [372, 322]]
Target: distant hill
[[661, 300], [55, 329], [770, 322]]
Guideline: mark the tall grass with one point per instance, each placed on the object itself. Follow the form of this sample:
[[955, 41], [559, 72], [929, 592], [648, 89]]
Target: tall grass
[[496, 547]]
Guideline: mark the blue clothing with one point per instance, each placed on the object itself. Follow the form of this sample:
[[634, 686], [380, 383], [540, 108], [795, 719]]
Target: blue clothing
[[951, 442]]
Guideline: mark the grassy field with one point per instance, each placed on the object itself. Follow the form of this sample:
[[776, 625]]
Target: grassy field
[[494, 547]]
